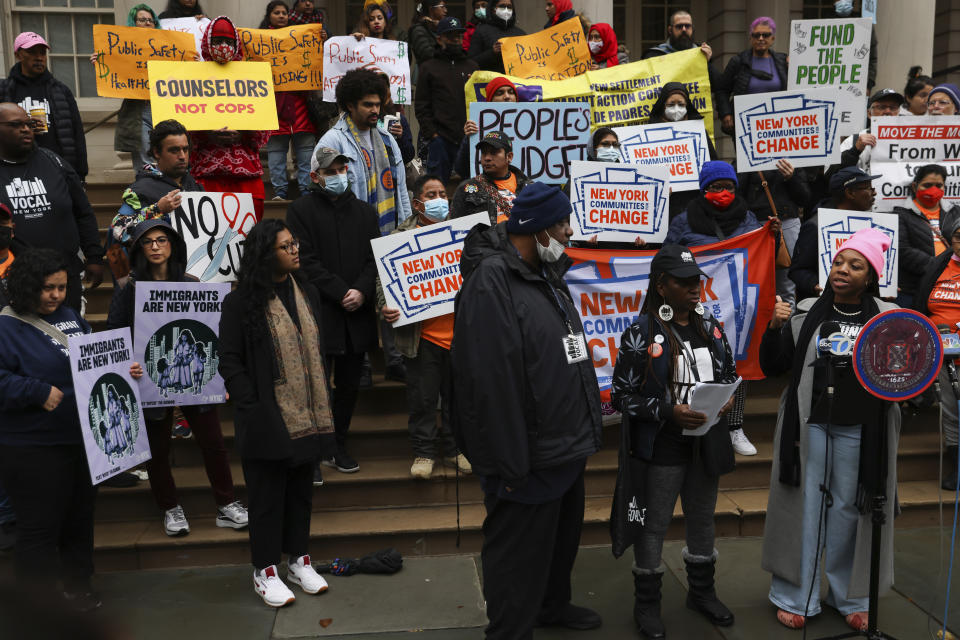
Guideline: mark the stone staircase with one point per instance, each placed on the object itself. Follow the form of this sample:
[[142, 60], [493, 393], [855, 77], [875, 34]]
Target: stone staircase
[[381, 506]]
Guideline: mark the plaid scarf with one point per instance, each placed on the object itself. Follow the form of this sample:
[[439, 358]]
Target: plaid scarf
[[381, 186]]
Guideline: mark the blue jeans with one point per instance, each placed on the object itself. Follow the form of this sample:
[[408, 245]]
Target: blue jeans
[[839, 535], [441, 154], [277, 148]]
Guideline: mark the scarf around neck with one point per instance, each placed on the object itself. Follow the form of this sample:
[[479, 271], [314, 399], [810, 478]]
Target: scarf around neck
[[381, 185], [705, 219]]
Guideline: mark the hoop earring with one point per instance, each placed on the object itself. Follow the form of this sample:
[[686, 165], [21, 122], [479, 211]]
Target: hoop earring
[[665, 312]]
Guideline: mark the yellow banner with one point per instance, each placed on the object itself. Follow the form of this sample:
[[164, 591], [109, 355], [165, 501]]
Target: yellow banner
[[557, 53], [206, 96], [618, 96], [295, 55], [123, 52]]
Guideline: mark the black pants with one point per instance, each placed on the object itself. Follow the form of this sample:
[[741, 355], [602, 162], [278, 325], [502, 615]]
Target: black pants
[[74, 285], [528, 554], [429, 378], [345, 370], [280, 500], [53, 498]]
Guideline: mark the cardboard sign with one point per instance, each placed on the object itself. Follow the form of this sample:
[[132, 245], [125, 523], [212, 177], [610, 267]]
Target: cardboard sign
[[214, 225], [295, 55], [205, 96], [420, 269], [680, 147], [108, 401], [191, 26], [123, 52], [557, 53], [798, 126], [176, 338], [390, 57], [547, 136], [833, 54], [619, 201], [835, 226]]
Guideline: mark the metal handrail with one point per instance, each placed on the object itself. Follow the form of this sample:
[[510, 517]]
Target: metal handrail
[[102, 121]]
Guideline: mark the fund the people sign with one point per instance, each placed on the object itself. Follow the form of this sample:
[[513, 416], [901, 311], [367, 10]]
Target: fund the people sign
[[680, 147], [214, 225], [835, 226], [618, 201], [176, 338], [390, 57], [108, 402], [123, 52]]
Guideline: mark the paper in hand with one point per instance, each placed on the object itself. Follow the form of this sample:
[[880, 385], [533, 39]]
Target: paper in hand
[[708, 398]]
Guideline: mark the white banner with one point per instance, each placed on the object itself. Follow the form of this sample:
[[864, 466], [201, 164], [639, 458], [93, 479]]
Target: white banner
[[390, 57], [893, 185], [680, 146], [919, 139], [214, 226], [615, 201], [835, 226], [187, 25]]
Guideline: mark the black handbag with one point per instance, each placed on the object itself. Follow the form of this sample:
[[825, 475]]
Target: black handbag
[[628, 511]]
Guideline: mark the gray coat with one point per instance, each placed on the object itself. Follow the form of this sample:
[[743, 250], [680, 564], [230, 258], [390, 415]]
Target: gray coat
[[782, 531]]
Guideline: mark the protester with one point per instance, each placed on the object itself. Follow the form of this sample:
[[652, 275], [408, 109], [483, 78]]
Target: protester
[[475, 19], [485, 47], [493, 191], [62, 219], [603, 46], [758, 69], [135, 119], [820, 444], [858, 148], [376, 172], [182, 9], [528, 446], [440, 103], [8, 517], [334, 229], [271, 323], [158, 254], [48, 102], [679, 38], [422, 35], [651, 387], [500, 89], [426, 351], [399, 128], [304, 12], [944, 100], [558, 11], [915, 92], [375, 22]]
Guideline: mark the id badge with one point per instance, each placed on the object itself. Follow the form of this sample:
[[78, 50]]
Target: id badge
[[575, 347]]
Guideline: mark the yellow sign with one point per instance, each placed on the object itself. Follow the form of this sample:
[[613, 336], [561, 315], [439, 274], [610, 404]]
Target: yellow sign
[[619, 96], [206, 96], [295, 55], [123, 52], [557, 53]]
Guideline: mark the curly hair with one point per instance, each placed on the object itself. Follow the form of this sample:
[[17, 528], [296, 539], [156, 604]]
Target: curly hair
[[273, 4], [163, 129], [255, 277], [27, 274], [357, 83]]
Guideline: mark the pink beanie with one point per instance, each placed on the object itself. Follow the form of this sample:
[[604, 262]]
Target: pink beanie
[[871, 243]]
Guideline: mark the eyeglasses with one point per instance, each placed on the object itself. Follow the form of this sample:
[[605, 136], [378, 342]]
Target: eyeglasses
[[717, 187], [160, 241], [938, 103], [20, 124], [144, 21], [683, 26], [290, 247], [761, 36]]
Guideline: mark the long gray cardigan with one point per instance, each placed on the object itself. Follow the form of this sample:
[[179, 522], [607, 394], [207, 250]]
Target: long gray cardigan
[[782, 531]]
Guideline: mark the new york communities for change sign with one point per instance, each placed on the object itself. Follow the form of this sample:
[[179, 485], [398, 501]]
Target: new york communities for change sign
[[681, 147], [420, 269], [835, 226], [619, 201]]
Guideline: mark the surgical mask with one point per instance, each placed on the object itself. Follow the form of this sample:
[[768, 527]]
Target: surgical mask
[[595, 46], [843, 8], [6, 236], [552, 252], [608, 154], [337, 184], [720, 199], [675, 112], [481, 13], [436, 209], [504, 13], [930, 196]]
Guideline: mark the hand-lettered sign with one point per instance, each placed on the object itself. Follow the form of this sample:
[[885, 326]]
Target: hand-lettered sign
[[123, 52], [295, 55], [556, 53], [390, 57], [214, 226]]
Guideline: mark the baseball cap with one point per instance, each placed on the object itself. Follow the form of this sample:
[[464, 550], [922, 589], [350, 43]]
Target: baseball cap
[[28, 39], [323, 157], [497, 140], [449, 24], [847, 177], [886, 94], [677, 261]]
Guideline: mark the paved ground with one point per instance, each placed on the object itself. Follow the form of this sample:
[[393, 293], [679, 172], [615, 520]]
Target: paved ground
[[440, 598]]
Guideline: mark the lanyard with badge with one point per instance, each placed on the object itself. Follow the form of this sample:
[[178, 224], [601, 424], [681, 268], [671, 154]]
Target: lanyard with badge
[[574, 344]]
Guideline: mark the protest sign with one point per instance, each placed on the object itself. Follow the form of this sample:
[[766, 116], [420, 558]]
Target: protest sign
[[868, 9], [420, 269], [619, 201], [214, 226], [192, 26], [618, 96], [108, 402], [893, 185], [123, 52], [205, 96], [547, 136], [176, 338], [797, 126], [295, 55], [835, 226], [833, 54], [556, 53], [608, 286], [681, 147], [390, 57]]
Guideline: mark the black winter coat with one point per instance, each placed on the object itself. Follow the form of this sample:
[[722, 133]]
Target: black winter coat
[[151, 185], [921, 293], [335, 256], [916, 246], [487, 33], [803, 262], [439, 102], [469, 198], [517, 404], [790, 196], [736, 78]]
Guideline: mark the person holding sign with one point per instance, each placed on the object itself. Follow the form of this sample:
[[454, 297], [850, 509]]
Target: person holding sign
[[558, 11], [944, 100], [494, 190], [500, 89], [271, 324], [304, 12], [820, 445], [485, 47], [672, 346], [603, 46], [375, 22], [182, 9]]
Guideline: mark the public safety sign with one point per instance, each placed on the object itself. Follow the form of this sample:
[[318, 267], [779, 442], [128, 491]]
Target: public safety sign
[[389, 57], [557, 53], [214, 225], [681, 147], [295, 55], [835, 226], [123, 52], [619, 202]]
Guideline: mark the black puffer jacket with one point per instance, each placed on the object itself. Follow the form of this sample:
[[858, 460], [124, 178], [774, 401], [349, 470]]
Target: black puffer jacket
[[518, 406], [916, 243], [439, 101], [151, 185], [736, 78], [487, 33]]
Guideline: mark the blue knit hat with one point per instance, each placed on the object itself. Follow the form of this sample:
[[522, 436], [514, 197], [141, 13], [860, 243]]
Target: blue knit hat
[[537, 207], [714, 170], [952, 91]]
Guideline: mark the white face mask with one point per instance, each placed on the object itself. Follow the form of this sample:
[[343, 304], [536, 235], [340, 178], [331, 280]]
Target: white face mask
[[843, 8], [595, 46], [504, 13], [675, 112], [608, 154], [550, 253]]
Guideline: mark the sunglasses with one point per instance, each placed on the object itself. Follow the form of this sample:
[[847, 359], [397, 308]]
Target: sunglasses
[[761, 36]]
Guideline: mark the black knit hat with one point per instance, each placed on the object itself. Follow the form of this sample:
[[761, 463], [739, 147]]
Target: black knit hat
[[538, 207]]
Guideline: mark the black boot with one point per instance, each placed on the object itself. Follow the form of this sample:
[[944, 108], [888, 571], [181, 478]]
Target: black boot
[[702, 596], [646, 608], [949, 480]]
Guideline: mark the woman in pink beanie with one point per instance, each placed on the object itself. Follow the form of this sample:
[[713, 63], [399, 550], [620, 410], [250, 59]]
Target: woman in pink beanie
[[818, 442]]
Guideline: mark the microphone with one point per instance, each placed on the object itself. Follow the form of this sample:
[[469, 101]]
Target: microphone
[[951, 341], [832, 343]]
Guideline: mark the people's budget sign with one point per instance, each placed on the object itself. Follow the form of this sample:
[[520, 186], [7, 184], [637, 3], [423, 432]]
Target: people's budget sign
[[615, 201], [681, 147]]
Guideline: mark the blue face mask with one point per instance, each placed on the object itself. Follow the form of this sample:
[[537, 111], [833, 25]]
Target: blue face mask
[[843, 8], [608, 154], [436, 209], [337, 184]]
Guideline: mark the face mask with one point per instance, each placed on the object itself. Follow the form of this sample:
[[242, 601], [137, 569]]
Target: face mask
[[481, 13], [222, 53], [337, 184], [930, 197], [6, 235], [843, 8], [595, 46], [504, 13], [550, 253], [453, 49], [721, 199], [437, 209], [675, 112], [608, 154]]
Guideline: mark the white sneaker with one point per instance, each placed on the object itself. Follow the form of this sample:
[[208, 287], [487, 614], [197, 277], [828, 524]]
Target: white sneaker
[[270, 587], [459, 461], [740, 443], [232, 515], [301, 572], [175, 522], [422, 468]]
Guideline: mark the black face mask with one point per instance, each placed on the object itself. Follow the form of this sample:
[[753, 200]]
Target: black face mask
[[453, 49], [6, 236]]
